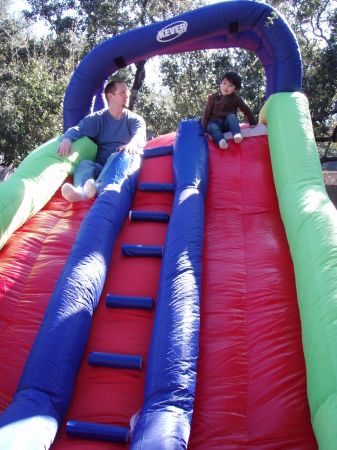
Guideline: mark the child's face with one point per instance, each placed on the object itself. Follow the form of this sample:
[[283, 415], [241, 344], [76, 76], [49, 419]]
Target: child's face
[[226, 87]]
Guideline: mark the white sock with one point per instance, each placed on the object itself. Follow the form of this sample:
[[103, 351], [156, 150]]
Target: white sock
[[237, 138], [73, 194], [90, 188], [223, 144]]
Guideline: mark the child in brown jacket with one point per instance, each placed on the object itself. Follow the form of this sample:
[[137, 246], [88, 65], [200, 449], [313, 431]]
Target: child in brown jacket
[[220, 114]]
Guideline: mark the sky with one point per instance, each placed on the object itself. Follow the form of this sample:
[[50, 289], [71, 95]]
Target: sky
[[19, 5], [40, 29]]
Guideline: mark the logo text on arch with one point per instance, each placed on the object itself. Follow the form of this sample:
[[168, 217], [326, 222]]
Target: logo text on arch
[[172, 31]]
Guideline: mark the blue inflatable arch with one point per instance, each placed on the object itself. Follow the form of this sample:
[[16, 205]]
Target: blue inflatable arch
[[245, 24]]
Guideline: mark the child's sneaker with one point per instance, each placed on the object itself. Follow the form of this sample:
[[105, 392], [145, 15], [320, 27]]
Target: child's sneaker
[[237, 138], [223, 144]]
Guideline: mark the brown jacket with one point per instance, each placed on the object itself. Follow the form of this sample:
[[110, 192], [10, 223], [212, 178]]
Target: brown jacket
[[219, 106]]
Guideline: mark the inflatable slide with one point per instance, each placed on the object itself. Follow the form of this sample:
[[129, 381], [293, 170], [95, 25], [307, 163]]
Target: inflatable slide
[[192, 304]]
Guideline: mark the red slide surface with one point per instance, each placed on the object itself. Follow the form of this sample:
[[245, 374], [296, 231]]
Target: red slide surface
[[251, 383]]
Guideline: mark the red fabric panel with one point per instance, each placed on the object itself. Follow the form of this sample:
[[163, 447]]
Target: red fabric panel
[[30, 264], [251, 383]]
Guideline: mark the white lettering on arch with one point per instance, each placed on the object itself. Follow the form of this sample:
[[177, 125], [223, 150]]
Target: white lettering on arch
[[172, 31]]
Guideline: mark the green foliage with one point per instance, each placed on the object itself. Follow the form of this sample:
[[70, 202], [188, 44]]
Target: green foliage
[[270, 19], [314, 23], [31, 111], [32, 87], [189, 79], [34, 75], [159, 111]]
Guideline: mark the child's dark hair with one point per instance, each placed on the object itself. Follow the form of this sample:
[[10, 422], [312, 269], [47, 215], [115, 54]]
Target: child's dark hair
[[233, 78]]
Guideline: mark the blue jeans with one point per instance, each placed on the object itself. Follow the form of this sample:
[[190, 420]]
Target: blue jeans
[[86, 169], [216, 128]]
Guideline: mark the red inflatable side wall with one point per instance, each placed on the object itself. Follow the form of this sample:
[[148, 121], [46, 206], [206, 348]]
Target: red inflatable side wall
[[30, 264]]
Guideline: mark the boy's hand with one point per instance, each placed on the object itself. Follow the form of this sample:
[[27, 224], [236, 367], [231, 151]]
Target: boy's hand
[[64, 148], [129, 148]]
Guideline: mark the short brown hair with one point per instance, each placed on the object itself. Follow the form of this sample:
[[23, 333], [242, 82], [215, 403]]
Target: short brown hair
[[111, 87]]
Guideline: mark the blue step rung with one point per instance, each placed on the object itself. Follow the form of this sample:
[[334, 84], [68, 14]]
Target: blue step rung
[[116, 361], [98, 432], [156, 187], [158, 151], [142, 250], [148, 216], [124, 301]]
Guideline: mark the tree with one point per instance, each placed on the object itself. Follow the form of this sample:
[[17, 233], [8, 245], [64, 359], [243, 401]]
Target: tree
[[159, 111], [99, 20], [314, 23], [31, 99], [32, 86]]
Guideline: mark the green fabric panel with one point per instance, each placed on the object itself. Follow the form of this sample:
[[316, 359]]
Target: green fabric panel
[[310, 221], [35, 181], [325, 424]]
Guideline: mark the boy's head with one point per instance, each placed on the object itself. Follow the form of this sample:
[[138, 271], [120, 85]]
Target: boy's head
[[233, 78], [116, 92], [113, 86]]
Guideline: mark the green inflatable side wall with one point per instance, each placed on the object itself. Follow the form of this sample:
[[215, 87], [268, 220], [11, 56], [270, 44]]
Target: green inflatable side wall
[[35, 181], [310, 221]]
